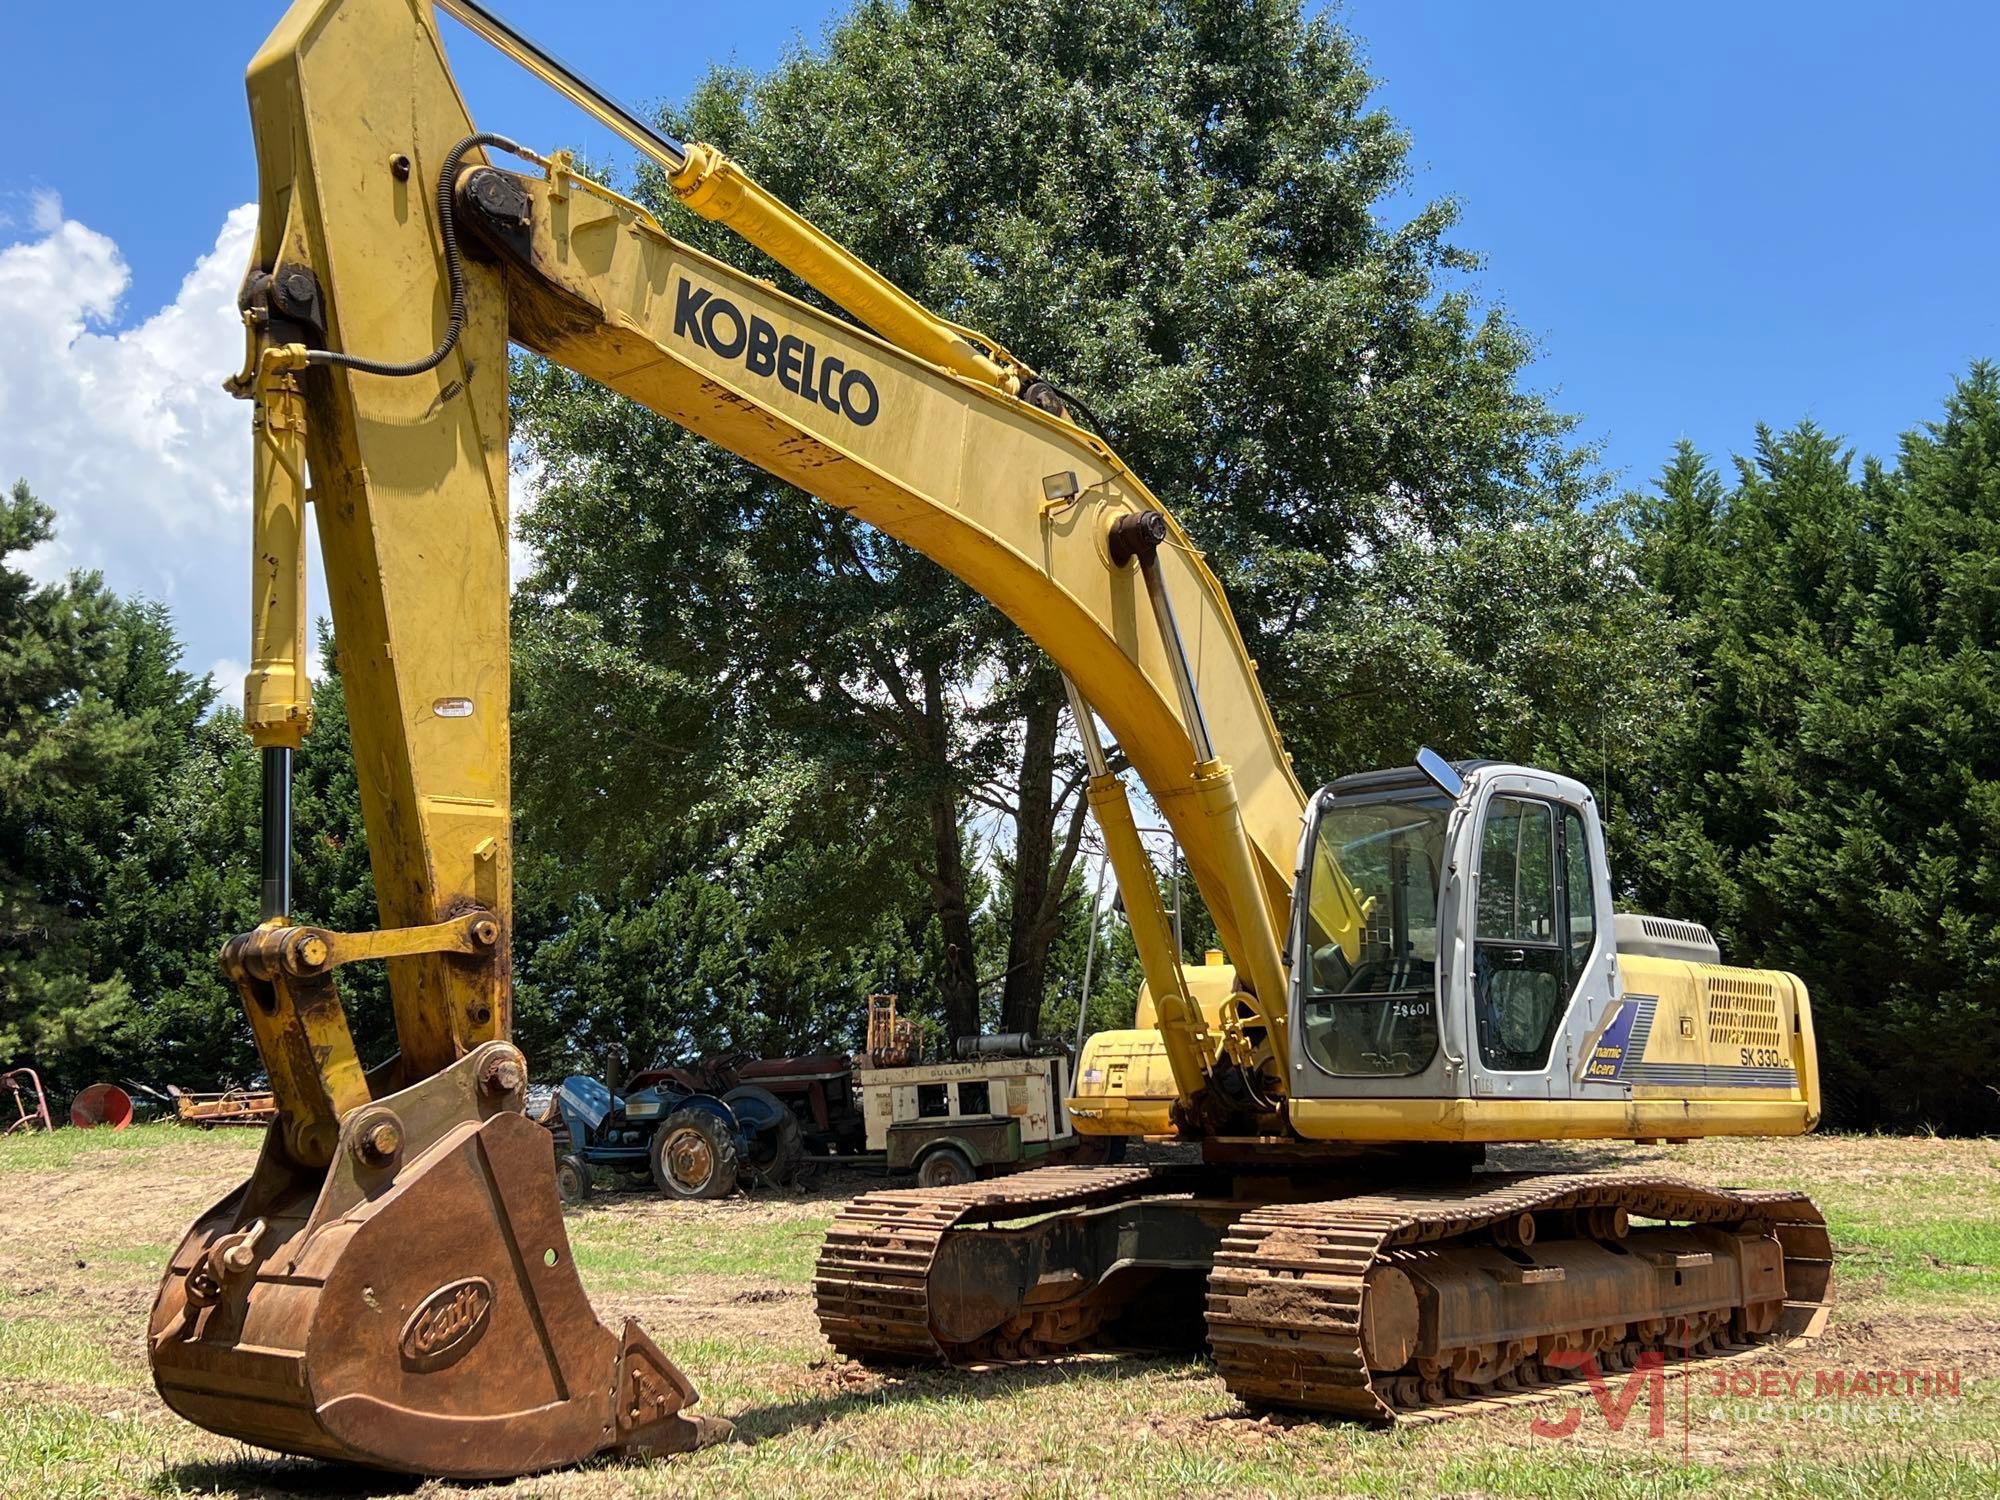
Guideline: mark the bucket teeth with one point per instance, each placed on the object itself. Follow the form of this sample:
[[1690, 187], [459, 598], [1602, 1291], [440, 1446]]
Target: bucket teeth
[[653, 1396]]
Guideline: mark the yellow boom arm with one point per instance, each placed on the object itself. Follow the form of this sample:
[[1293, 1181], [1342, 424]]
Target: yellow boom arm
[[356, 117], [393, 1285]]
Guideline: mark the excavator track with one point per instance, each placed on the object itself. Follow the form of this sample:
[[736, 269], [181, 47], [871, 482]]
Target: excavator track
[[872, 1283], [1289, 1293], [1303, 1297]]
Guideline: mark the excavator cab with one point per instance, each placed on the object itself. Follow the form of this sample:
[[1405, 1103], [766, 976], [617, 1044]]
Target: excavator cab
[[1477, 968], [1456, 974], [1489, 975]]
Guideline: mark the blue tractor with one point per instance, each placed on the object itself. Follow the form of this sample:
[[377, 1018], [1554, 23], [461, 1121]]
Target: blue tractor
[[692, 1145]]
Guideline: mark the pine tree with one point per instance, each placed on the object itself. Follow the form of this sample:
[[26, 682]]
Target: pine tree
[[94, 713], [1832, 805]]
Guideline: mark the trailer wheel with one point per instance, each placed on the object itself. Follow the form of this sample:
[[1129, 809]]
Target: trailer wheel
[[945, 1166], [694, 1156], [572, 1180]]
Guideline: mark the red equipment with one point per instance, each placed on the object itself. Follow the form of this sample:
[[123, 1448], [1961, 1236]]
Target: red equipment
[[101, 1104], [17, 1082]]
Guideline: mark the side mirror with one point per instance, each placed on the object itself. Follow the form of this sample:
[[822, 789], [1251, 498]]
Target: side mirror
[[1443, 775]]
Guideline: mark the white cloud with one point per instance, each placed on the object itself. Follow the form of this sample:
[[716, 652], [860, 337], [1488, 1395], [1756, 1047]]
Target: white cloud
[[126, 432], [118, 420]]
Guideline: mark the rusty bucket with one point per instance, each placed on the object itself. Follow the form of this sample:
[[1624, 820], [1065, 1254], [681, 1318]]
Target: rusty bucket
[[414, 1305]]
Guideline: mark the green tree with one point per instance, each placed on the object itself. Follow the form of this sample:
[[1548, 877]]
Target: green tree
[[1189, 221], [128, 838], [713, 963], [184, 878], [1830, 804], [1533, 642], [95, 715]]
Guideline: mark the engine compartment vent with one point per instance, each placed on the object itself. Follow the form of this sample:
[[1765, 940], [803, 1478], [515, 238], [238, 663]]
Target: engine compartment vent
[[1743, 1012], [1664, 937]]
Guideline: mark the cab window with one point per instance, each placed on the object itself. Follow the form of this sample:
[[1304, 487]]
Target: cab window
[[1370, 918], [1580, 893], [1537, 927]]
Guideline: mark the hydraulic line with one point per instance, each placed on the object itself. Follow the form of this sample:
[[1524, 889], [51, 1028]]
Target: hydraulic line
[[565, 80], [447, 209]]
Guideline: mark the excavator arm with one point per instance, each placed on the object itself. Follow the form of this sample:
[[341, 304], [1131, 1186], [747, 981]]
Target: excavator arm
[[394, 1285], [1035, 513], [388, 241]]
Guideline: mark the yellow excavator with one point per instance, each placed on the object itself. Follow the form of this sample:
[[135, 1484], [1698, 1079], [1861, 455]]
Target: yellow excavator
[[1422, 960]]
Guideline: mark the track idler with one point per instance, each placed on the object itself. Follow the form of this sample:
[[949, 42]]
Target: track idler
[[414, 1305]]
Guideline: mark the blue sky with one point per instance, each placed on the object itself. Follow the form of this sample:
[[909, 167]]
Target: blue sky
[[1706, 215]]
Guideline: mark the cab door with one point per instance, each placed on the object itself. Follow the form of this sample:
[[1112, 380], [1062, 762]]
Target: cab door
[[1536, 931]]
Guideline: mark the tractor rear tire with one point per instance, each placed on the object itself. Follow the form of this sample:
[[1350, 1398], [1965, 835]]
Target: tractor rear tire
[[775, 1154], [572, 1180], [694, 1156]]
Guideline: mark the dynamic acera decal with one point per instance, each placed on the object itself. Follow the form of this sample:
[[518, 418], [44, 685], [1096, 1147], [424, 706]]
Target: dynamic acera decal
[[719, 325], [1619, 1056], [1607, 1054]]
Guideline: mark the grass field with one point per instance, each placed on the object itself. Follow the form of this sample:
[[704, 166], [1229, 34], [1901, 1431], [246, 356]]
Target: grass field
[[90, 1219]]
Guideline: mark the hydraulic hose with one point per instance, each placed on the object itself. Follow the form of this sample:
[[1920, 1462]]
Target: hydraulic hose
[[447, 210], [1075, 403]]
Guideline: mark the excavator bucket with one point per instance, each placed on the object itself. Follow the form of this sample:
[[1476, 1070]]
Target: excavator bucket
[[415, 1305]]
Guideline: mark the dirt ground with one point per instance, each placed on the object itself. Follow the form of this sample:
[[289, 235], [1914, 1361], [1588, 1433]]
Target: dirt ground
[[725, 1290]]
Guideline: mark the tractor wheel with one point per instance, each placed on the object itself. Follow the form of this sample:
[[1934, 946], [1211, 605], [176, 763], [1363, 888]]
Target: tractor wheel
[[694, 1156], [777, 1150], [945, 1166], [572, 1180]]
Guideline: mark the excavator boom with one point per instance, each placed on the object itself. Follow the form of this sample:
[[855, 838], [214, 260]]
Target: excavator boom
[[394, 1286]]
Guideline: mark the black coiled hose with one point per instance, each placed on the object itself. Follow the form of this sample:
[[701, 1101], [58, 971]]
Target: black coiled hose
[[447, 208], [1075, 403]]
